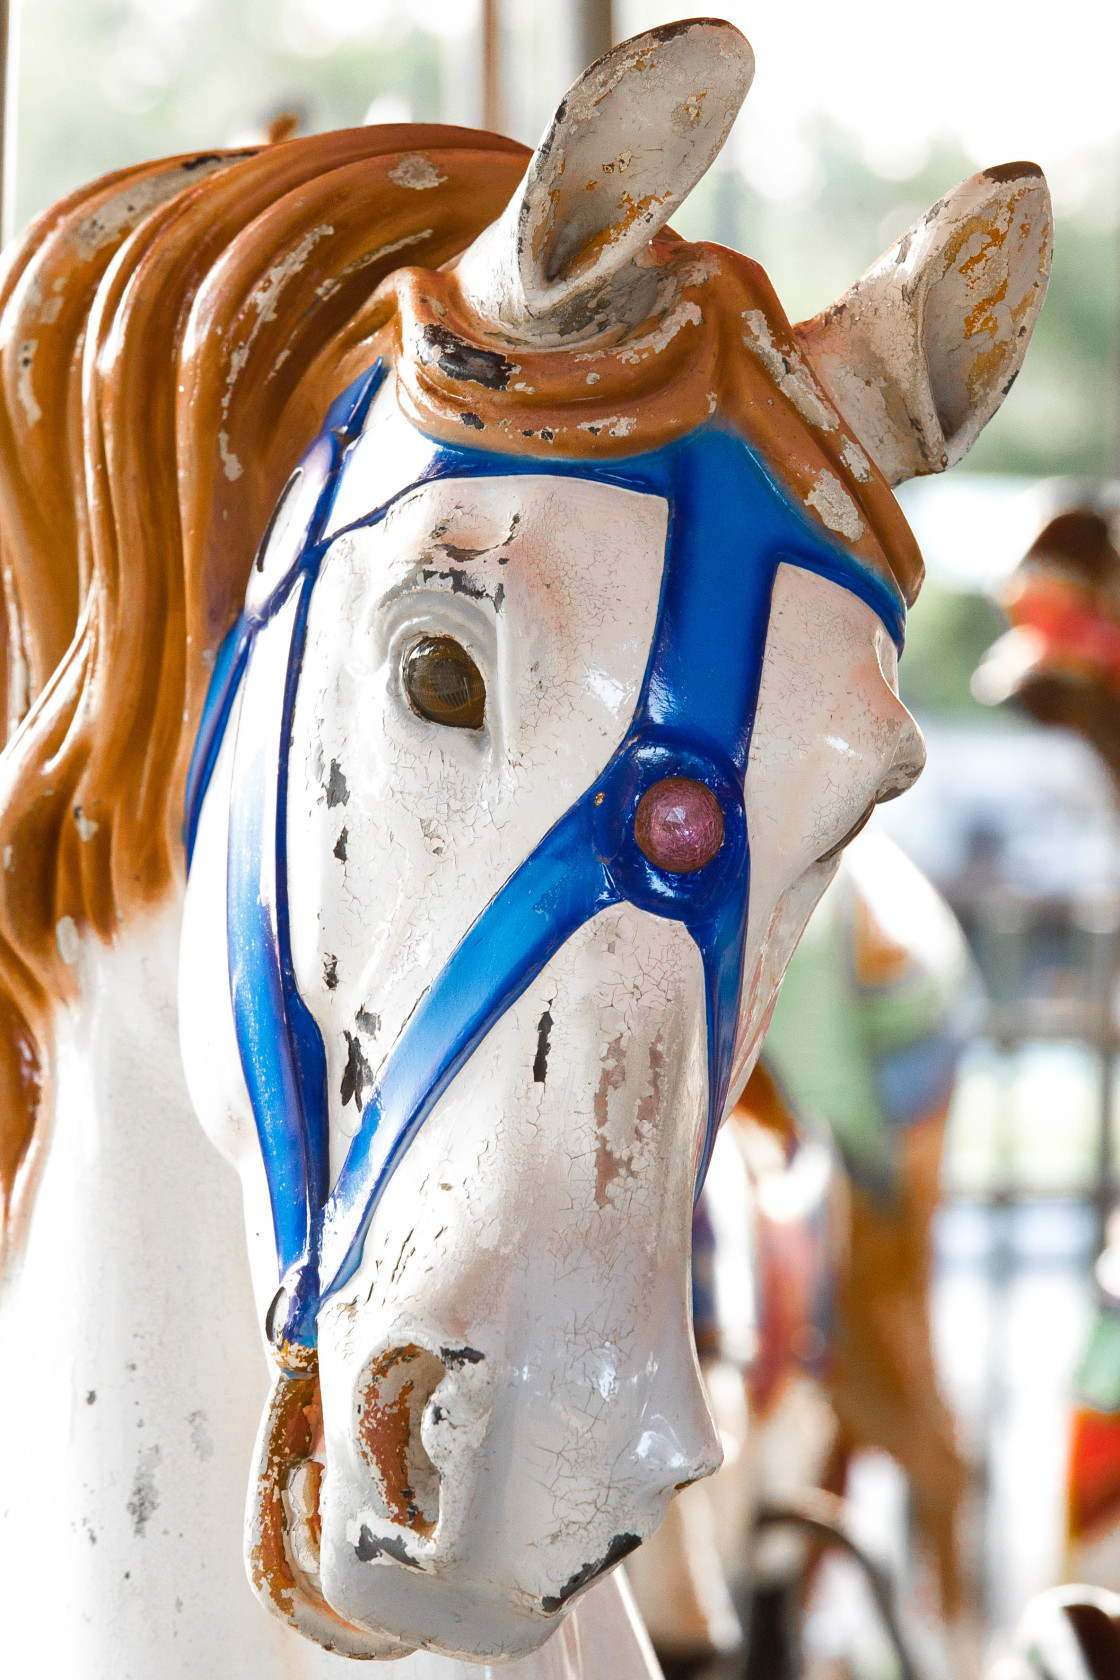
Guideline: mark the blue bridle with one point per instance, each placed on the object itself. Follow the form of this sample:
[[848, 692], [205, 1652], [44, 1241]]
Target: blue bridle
[[731, 524]]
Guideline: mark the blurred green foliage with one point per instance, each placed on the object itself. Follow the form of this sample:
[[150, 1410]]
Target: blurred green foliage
[[108, 82], [947, 634]]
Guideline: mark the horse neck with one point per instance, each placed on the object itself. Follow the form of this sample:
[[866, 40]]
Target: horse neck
[[137, 1378], [143, 1371]]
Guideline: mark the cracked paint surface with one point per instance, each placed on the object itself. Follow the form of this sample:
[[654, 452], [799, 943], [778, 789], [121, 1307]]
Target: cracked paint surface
[[541, 1219]]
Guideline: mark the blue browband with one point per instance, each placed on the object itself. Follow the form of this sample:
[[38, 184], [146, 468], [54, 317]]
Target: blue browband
[[730, 526]]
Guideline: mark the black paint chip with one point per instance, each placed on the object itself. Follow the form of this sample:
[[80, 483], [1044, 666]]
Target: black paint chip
[[357, 1074], [460, 360], [457, 1357], [540, 1061], [621, 1546], [371, 1546], [337, 791]]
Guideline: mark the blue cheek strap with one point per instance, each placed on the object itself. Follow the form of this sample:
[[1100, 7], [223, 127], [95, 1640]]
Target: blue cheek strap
[[730, 527]]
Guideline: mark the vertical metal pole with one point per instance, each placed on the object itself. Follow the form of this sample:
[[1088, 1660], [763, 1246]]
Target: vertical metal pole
[[9, 115], [493, 105], [1105, 975], [593, 29], [1112, 467]]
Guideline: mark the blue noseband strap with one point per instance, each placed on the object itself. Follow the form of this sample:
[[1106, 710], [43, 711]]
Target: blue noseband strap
[[730, 527]]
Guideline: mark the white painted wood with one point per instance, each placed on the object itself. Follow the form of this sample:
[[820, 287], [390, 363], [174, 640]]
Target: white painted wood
[[134, 1403], [627, 145], [919, 354], [544, 1224]]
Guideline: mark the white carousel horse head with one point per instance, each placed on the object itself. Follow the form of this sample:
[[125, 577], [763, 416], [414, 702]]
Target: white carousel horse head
[[528, 765]]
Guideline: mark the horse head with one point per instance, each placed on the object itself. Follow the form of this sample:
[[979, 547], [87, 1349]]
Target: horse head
[[1060, 659], [566, 668]]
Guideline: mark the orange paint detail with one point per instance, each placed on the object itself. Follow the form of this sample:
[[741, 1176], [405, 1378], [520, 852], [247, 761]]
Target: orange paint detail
[[1094, 1473], [291, 1420], [395, 1391], [878, 958], [983, 317]]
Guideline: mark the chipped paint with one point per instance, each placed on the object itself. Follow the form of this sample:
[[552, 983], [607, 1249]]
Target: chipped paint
[[25, 361], [416, 172], [67, 940], [394, 1394], [831, 502], [898, 352], [143, 1501], [231, 466], [615, 425], [789, 372], [334, 282], [265, 294], [855, 460], [86, 826], [685, 314]]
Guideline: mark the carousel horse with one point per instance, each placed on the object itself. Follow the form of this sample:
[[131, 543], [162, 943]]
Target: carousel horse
[[840, 1130], [494, 602], [1067, 1633], [868, 1034], [1060, 660]]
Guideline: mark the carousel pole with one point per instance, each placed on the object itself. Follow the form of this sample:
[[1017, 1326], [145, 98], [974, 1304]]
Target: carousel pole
[[493, 105], [593, 29], [9, 115]]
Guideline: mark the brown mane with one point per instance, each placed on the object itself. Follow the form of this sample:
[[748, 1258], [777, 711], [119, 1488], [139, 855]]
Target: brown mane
[[170, 338]]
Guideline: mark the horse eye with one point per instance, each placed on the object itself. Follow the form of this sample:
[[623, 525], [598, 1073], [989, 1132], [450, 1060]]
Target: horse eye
[[444, 684]]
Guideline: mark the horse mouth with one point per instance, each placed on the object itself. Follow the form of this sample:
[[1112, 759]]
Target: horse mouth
[[303, 1522], [284, 1525]]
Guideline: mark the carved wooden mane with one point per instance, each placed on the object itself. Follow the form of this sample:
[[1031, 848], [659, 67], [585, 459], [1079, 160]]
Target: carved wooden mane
[[170, 338]]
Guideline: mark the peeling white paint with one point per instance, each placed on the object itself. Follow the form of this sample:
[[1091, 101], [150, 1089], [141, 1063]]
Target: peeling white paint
[[789, 373], [831, 501], [25, 359], [231, 466], [615, 425], [685, 314], [263, 297], [416, 172], [66, 939], [855, 460]]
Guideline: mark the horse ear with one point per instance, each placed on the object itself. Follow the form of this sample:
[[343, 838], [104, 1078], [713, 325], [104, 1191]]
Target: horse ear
[[920, 353], [625, 148]]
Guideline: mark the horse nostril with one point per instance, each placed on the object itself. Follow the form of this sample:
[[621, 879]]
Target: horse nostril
[[392, 1396], [679, 825]]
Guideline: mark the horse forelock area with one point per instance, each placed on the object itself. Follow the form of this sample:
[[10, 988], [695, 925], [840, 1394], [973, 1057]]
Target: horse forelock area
[[719, 346], [170, 338]]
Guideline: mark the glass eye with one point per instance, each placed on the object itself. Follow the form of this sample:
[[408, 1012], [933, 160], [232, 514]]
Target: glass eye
[[444, 684]]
